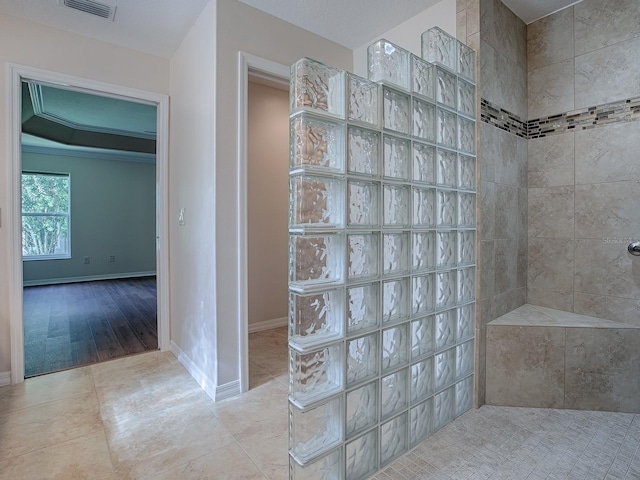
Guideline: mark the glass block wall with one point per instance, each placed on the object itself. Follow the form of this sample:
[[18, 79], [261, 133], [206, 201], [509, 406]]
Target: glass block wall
[[382, 255]]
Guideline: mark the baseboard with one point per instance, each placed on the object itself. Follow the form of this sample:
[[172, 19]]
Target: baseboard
[[5, 379], [205, 382], [89, 278], [228, 390], [268, 324]]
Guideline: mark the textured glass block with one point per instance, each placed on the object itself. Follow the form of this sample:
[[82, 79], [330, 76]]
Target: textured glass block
[[316, 317], [315, 375], [395, 300], [466, 247], [464, 395], [447, 209], [395, 347], [393, 438], [445, 366], [395, 205], [362, 202], [424, 207], [421, 380], [363, 151], [362, 358], [443, 408], [467, 173], [422, 294], [316, 202], [396, 111], [362, 408], [466, 285], [316, 87], [445, 289], [446, 162], [446, 88], [424, 251], [315, 431], [328, 467], [466, 135], [316, 144], [422, 337], [423, 78], [445, 335], [315, 259], [466, 322], [466, 62], [394, 393], [464, 359], [362, 456], [363, 307], [395, 253], [424, 163], [466, 98], [446, 249], [362, 101], [388, 63], [364, 252], [447, 129], [397, 154], [424, 120], [439, 47], [466, 210], [421, 422]]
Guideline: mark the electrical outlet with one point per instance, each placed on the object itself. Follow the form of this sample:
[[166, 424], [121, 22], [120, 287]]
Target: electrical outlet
[[112, 259], [87, 260]]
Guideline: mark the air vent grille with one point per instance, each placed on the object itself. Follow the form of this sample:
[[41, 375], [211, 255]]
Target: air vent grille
[[94, 8]]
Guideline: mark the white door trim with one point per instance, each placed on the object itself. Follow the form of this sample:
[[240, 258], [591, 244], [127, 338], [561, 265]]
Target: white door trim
[[16, 74], [247, 63]]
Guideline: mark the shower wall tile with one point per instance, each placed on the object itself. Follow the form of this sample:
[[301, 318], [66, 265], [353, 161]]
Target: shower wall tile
[[487, 220], [508, 164], [504, 31], [523, 201], [461, 26], [502, 81], [523, 262], [603, 210], [551, 264], [487, 269], [551, 212], [507, 211], [551, 89], [619, 309], [490, 149], [551, 160], [550, 39], [550, 299], [509, 301], [506, 265], [600, 24]]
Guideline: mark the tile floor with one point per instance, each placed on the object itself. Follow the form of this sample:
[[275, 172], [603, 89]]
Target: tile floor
[[144, 417]]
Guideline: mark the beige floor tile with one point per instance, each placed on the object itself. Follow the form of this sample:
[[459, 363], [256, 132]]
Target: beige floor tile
[[269, 452], [145, 367]]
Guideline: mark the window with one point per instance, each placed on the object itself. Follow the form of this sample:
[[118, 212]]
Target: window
[[45, 216]]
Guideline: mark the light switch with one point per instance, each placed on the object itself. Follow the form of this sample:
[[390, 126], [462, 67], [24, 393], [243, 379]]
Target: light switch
[[181, 217]]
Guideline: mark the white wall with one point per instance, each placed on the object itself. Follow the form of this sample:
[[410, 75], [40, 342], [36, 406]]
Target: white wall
[[407, 34]]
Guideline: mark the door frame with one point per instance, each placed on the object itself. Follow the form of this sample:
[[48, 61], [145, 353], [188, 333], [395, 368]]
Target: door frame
[[18, 73]]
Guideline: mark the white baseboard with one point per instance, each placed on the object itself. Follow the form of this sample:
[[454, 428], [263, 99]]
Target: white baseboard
[[268, 324], [5, 379], [205, 382], [228, 390], [89, 278]]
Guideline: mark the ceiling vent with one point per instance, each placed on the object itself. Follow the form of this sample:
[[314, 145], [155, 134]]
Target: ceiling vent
[[89, 6]]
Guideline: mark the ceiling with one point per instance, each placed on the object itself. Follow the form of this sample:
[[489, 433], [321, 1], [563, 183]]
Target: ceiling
[[531, 10]]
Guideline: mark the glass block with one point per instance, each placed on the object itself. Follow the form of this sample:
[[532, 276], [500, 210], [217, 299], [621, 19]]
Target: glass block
[[424, 163], [446, 252], [439, 47], [466, 98], [395, 300], [388, 63], [363, 100], [316, 87], [316, 318], [447, 209], [362, 456], [424, 251], [363, 307], [424, 207], [423, 78], [315, 431], [464, 359], [466, 247], [316, 259], [424, 120], [421, 422], [363, 201], [443, 408], [316, 202], [395, 253], [362, 408], [445, 365], [363, 151], [316, 144], [466, 285], [466, 322], [446, 88], [362, 358], [464, 395], [396, 111], [315, 375], [397, 153], [466, 135], [445, 289], [328, 467], [422, 337], [393, 438], [395, 347], [447, 129], [445, 329], [466, 62], [466, 210], [395, 205], [421, 380], [422, 298], [364, 252], [467, 173], [446, 161], [394, 393]]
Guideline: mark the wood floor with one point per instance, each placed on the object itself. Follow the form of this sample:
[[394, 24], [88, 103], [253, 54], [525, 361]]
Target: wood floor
[[80, 323]]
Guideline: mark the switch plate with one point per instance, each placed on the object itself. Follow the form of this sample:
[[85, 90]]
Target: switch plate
[[87, 260], [112, 258], [181, 217]]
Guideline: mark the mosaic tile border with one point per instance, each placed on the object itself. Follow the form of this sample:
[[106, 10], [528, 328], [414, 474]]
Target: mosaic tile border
[[502, 119]]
